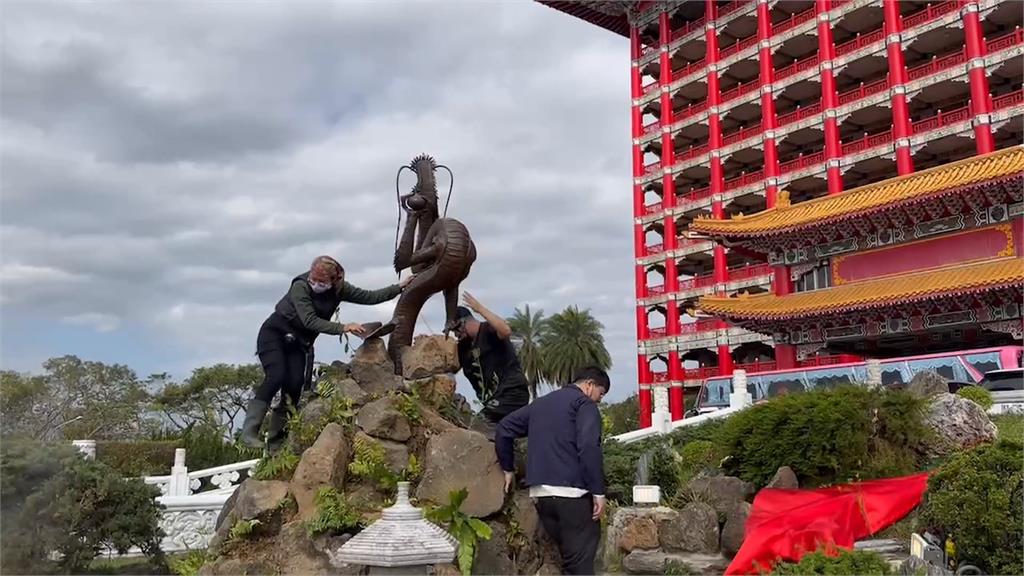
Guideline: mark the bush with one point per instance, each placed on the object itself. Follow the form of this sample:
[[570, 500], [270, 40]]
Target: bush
[[54, 500], [828, 436], [333, 514], [696, 456], [140, 458], [846, 562], [977, 499], [279, 466], [976, 394]]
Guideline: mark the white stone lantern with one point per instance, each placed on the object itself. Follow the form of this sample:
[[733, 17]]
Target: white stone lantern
[[401, 542]]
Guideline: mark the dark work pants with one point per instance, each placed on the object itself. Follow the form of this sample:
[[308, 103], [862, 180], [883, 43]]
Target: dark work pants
[[569, 522], [283, 369]]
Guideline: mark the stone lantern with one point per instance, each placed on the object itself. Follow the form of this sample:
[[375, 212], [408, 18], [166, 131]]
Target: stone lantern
[[401, 542]]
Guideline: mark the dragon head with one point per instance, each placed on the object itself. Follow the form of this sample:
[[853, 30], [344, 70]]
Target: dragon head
[[423, 197]]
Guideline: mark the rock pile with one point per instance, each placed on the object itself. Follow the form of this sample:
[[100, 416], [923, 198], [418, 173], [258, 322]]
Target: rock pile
[[370, 429]]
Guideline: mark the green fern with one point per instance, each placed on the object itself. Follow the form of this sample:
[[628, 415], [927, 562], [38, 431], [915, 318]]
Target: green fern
[[467, 530], [278, 466], [243, 529], [334, 514], [408, 405]]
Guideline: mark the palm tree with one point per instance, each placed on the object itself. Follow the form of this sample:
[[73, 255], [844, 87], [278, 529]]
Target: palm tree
[[572, 340], [529, 327]]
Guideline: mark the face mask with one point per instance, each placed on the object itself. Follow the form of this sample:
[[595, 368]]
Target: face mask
[[319, 287]]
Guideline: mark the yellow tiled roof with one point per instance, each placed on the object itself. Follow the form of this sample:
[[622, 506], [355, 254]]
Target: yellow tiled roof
[[870, 293], [973, 170]]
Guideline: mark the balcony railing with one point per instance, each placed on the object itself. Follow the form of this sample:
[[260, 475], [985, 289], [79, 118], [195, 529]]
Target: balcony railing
[[731, 7], [1005, 41], [651, 87], [740, 90], [691, 152], [931, 12], [864, 90], [691, 110], [859, 42], [738, 46], [1007, 100], [700, 373], [941, 119], [937, 65], [693, 195], [797, 67], [660, 377], [652, 127], [697, 24], [867, 142], [656, 290], [743, 273], [652, 249], [652, 168], [740, 135], [802, 162], [688, 69], [754, 367], [743, 180], [653, 208], [800, 113], [658, 332], [702, 325], [793, 21], [823, 360]]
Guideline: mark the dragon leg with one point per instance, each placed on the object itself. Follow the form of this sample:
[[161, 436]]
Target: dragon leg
[[451, 302], [404, 318]]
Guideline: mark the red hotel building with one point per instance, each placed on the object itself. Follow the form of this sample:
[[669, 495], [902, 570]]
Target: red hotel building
[[740, 105]]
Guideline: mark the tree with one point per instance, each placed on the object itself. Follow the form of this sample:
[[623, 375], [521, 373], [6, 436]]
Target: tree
[[56, 501], [622, 417], [212, 397], [530, 327], [74, 399], [571, 341]]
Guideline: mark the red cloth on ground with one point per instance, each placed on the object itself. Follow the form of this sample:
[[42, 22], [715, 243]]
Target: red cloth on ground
[[786, 524]]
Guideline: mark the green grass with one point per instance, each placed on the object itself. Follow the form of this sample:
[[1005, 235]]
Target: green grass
[[1011, 426]]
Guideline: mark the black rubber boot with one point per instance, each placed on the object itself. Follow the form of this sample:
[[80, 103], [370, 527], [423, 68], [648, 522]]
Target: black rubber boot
[[254, 414], [276, 432]]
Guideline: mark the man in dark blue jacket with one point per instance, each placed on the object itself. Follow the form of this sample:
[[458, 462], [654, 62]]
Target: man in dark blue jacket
[[564, 464]]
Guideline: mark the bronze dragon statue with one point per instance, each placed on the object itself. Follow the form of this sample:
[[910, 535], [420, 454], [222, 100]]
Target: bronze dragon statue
[[440, 258]]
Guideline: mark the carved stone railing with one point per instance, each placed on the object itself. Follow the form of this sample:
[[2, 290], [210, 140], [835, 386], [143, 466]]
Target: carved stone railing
[[192, 500]]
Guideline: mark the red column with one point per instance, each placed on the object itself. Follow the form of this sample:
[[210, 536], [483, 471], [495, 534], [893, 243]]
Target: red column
[[675, 399], [644, 395], [768, 120], [785, 354], [898, 82], [643, 367], [721, 274], [981, 104], [829, 97]]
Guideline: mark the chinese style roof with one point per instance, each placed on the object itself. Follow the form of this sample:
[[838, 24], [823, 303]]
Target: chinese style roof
[[608, 15], [873, 293], [827, 211]]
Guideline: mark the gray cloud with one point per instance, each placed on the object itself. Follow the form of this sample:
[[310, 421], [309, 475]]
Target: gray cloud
[[169, 166]]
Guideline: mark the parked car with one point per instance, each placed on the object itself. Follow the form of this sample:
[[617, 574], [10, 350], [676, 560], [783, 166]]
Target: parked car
[[1007, 388]]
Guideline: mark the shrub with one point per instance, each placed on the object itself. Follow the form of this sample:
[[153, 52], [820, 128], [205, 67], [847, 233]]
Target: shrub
[[139, 458], [860, 562], [976, 394], [189, 564], [370, 463], [56, 501], [620, 467], [696, 456], [828, 436], [279, 466], [977, 499], [333, 514]]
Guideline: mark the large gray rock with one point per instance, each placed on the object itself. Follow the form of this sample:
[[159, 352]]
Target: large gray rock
[[349, 388], [373, 370], [694, 529], [436, 390], [928, 383], [959, 423], [254, 499], [785, 479], [430, 355], [734, 530], [656, 562], [722, 492], [380, 419], [396, 455], [463, 459], [633, 528], [524, 512], [322, 465]]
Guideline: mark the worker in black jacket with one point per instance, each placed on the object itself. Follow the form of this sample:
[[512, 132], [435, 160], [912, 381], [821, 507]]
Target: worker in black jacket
[[285, 340], [564, 464]]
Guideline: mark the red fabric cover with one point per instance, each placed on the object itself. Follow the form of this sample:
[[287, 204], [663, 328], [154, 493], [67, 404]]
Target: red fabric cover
[[786, 524]]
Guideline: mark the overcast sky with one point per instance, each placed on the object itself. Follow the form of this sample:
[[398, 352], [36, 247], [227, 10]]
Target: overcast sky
[[168, 167]]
